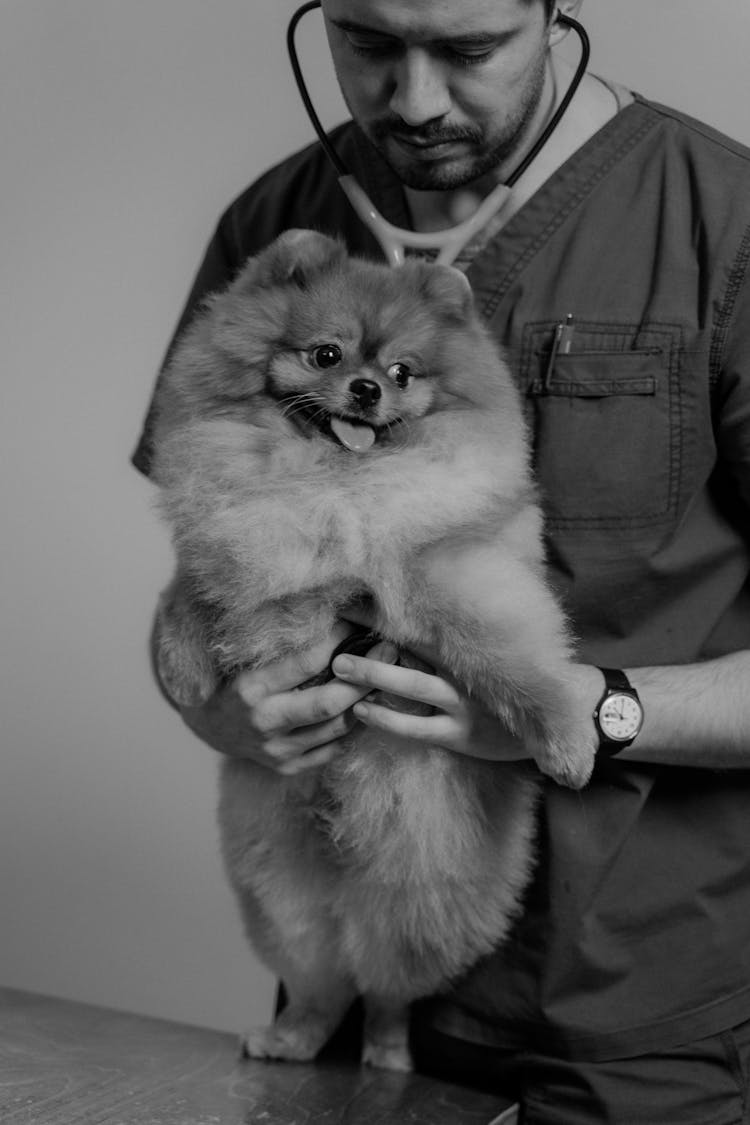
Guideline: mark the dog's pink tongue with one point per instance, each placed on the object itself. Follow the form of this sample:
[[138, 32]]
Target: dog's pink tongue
[[358, 438]]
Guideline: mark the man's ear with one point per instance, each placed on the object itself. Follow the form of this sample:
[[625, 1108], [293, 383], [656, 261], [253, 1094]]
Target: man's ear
[[294, 256], [557, 29]]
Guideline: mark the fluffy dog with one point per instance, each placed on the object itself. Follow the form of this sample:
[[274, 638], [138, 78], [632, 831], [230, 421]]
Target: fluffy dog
[[329, 429]]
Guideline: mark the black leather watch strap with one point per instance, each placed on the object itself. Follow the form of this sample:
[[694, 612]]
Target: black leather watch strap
[[616, 680]]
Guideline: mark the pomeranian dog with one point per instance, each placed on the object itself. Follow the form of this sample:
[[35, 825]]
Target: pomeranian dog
[[329, 430]]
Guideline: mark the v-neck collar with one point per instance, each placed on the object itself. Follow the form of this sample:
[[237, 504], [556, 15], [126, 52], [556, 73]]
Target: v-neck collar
[[499, 262]]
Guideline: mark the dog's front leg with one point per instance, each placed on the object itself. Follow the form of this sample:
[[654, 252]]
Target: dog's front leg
[[501, 633]]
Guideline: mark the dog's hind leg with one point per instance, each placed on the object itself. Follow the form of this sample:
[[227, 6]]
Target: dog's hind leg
[[303, 1027], [319, 993], [386, 1034]]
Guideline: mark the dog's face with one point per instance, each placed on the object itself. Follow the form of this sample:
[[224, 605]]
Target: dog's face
[[348, 351], [352, 377]]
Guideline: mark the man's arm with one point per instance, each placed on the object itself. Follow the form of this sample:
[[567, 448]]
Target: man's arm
[[696, 715]]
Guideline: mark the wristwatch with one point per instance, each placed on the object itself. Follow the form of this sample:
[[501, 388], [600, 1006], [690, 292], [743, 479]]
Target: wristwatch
[[619, 713]]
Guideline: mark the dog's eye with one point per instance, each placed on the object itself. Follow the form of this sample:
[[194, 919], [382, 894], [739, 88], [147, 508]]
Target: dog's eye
[[326, 355], [401, 374]]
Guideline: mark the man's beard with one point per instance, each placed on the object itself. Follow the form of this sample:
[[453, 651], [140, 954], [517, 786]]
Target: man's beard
[[484, 155]]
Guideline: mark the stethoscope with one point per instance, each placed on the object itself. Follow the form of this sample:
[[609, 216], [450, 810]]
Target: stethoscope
[[394, 240]]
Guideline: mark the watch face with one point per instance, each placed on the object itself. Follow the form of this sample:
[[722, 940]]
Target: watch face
[[620, 717]]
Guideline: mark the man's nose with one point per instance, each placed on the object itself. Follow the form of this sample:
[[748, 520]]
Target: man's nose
[[420, 92]]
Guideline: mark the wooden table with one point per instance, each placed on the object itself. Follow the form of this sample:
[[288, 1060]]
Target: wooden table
[[63, 1063]]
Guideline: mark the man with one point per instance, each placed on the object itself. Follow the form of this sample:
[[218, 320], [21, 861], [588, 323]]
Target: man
[[617, 283]]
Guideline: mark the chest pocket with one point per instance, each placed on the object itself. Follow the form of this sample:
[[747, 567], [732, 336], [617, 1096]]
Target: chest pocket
[[605, 418]]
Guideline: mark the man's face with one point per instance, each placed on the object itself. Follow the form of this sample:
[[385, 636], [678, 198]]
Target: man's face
[[445, 89]]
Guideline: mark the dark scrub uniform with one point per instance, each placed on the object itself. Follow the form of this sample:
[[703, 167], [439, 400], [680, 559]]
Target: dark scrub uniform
[[636, 936]]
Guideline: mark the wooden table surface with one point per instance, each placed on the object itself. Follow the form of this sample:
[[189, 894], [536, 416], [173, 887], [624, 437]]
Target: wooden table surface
[[64, 1063]]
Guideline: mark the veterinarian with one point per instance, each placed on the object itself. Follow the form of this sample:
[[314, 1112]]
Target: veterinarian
[[617, 281]]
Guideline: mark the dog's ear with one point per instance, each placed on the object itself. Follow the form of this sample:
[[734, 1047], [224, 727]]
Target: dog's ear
[[449, 288], [294, 256]]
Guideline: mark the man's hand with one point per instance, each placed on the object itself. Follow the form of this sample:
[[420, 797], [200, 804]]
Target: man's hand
[[455, 723], [264, 715]]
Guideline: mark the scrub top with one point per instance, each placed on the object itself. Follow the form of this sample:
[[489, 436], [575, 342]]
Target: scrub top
[[636, 932]]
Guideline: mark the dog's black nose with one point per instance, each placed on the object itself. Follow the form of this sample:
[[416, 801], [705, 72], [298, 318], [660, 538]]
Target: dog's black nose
[[365, 391]]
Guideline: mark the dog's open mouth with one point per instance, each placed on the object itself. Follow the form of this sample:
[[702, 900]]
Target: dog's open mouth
[[354, 434]]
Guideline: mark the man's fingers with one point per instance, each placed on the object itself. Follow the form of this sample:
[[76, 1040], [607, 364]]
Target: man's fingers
[[303, 709], [440, 729], [300, 728], [285, 710], [290, 744], [409, 683]]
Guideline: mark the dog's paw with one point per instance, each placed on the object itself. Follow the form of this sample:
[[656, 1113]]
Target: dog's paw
[[386, 1034], [294, 1044], [568, 761], [388, 1056]]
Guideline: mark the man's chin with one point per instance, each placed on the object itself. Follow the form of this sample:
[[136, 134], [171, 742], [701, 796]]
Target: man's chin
[[429, 173]]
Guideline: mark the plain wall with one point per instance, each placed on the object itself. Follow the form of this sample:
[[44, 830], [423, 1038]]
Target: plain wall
[[125, 128]]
